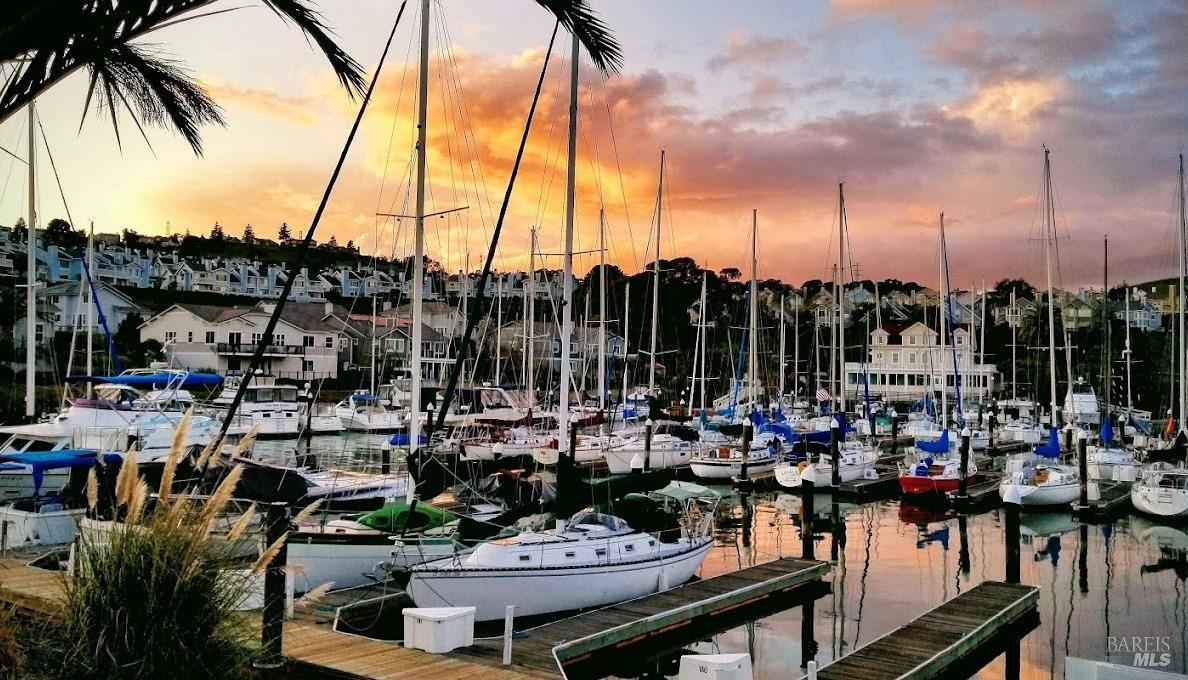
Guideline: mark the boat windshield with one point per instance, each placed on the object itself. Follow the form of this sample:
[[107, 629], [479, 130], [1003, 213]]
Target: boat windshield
[[597, 519]]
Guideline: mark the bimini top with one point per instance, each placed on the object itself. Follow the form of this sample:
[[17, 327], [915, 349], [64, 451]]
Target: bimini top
[[155, 379], [40, 461]]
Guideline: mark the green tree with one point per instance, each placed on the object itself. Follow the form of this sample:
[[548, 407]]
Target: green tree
[[284, 235], [216, 232], [20, 231], [59, 233], [249, 234]]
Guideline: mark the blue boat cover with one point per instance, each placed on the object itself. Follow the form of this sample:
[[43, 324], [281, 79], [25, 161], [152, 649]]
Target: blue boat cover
[[1107, 431], [40, 461], [401, 439], [1050, 448], [939, 446], [159, 379]]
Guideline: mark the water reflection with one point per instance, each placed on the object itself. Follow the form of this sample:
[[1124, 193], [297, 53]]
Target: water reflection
[[1126, 578]]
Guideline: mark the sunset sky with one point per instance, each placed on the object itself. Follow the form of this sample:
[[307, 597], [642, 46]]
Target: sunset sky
[[917, 105]]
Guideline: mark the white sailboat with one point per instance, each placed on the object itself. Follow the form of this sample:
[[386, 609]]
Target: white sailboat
[[1044, 482], [592, 560], [1162, 487]]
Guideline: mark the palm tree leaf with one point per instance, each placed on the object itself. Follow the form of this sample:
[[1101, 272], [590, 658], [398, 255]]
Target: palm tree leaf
[[349, 72], [47, 40], [592, 32]]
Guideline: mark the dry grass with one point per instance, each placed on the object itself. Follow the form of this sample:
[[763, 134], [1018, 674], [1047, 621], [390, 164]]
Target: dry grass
[[156, 596]]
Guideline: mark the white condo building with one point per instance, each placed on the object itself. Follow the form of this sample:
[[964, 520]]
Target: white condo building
[[906, 362]]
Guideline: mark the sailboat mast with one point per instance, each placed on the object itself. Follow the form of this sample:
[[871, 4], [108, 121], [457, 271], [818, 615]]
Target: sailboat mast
[[90, 305], [626, 335], [982, 340], [1014, 350], [840, 292], [567, 269], [1049, 217], [943, 319], [752, 356], [418, 287], [796, 350], [31, 274], [1107, 372], [703, 328], [531, 368], [602, 386], [373, 343], [1183, 237], [498, 325], [1129, 393], [783, 341], [656, 280]]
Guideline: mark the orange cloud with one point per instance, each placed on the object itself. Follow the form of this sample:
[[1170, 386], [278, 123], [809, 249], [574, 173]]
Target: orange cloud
[[293, 109]]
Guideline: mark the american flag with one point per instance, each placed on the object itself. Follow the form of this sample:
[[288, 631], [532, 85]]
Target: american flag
[[823, 394]]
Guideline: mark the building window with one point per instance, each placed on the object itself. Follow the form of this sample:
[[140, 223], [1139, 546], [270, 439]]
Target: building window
[[170, 336], [278, 339], [912, 340], [189, 336], [256, 338], [210, 337], [307, 366], [307, 341], [329, 342]]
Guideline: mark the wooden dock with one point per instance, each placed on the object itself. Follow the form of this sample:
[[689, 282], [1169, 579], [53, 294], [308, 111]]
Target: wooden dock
[[1112, 499], [597, 643], [941, 640], [885, 485], [981, 494]]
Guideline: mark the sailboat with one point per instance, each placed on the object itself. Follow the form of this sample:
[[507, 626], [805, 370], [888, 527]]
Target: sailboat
[[591, 560], [666, 450], [1109, 459], [725, 461], [856, 456], [1162, 487], [937, 468], [1035, 479], [594, 558]]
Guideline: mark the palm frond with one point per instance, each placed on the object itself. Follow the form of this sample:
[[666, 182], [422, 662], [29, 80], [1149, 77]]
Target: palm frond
[[592, 32], [47, 40]]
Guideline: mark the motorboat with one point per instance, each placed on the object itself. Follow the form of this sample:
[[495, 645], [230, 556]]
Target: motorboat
[[363, 411], [1081, 405], [268, 407], [591, 560]]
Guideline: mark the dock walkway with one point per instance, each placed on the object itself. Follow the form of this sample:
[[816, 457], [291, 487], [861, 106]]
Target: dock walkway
[[940, 640], [596, 637]]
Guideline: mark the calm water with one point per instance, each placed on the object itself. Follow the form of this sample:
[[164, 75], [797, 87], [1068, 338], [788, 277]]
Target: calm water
[[900, 561]]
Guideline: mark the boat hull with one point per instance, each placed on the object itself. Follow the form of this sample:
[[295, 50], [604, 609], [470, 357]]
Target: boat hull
[[915, 485], [545, 591], [346, 562], [618, 461], [1043, 495], [729, 469], [1161, 502]]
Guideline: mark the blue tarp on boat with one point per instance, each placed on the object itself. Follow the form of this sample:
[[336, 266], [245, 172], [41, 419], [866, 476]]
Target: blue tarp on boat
[[40, 461], [939, 446], [159, 379], [1050, 448]]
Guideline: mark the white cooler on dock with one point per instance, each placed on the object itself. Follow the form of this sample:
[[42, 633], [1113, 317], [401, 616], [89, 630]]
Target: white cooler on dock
[[715, 667], [438, 630]]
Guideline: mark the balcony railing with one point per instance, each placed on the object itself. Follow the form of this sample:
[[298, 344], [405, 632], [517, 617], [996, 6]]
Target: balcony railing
[[269, 350]]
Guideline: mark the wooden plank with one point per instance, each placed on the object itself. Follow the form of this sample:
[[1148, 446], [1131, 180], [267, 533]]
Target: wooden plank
[[928, 646]]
